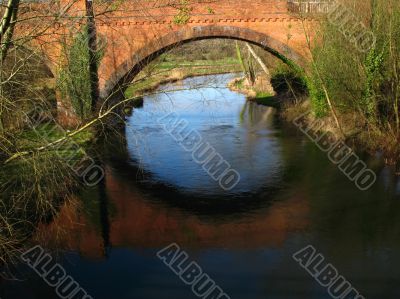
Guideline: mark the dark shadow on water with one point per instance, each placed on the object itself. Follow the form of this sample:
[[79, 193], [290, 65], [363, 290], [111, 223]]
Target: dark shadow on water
[[225, 206], [104, 217]]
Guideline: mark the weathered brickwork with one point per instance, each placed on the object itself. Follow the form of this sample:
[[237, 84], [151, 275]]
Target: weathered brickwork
[[138, 31]]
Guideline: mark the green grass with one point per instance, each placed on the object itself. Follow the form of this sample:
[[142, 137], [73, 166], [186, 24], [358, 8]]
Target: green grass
[[160, 72], [133, 89], [263, 94], [239, 84], [266, 99], [47, 133], [176, 63]]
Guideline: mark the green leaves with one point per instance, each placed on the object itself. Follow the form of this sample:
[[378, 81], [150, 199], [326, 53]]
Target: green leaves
[[374, 65], [183, 15], [74, 77]]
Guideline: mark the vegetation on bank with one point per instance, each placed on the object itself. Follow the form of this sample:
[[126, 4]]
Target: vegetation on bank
[[74, 79], [39, 178], [363, 87], [198, 58], [165, 70], [268, 79]]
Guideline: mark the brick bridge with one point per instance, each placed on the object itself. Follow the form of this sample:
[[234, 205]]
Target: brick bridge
[[138, 31]]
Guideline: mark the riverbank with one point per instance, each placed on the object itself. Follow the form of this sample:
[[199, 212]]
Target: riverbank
[[261, 92], [283, 174], [291, 96], [354, 130], [165, 72]]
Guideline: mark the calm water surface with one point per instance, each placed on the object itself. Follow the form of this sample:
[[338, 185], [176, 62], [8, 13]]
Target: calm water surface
[[290, 195]]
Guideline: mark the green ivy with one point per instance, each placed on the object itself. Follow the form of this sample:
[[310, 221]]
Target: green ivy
[[319, 104], [74, 77], [183, 16], [374, 64]]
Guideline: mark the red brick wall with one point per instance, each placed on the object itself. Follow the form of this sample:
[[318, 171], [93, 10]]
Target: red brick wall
[[136, 29]]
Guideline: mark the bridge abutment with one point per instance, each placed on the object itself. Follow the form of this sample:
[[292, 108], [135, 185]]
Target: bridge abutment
[[137, 32]]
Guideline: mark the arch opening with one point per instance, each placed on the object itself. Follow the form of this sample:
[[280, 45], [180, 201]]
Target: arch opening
[[115, 86]]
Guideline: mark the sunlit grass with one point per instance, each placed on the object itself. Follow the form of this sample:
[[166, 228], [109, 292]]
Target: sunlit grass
[[167, 70]]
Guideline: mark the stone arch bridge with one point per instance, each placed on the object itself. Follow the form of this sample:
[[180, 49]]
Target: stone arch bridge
[[137, 31]]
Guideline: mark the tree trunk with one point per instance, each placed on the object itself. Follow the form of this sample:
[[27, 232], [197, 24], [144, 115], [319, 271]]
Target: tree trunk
[[7, 27], [259, 60], [93, 55], [6, 19], [240, 57]]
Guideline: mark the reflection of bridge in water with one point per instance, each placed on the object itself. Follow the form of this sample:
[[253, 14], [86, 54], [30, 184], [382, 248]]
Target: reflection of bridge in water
[[135, 222]]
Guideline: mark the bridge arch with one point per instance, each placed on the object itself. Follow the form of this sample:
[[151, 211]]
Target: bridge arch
[[116, 84]]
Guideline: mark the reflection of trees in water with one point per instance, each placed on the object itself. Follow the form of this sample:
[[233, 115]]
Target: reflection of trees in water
[[135, 216], [32, 191], [338, 210], [104, 216], [256, 116]]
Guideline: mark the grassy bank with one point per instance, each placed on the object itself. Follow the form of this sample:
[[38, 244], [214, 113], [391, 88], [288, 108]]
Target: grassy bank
[[33, 187], [166, 70], [285, 88], [258, 93], [356, 82]]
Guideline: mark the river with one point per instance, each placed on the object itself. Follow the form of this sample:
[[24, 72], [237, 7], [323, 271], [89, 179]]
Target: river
[[290, 195]]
